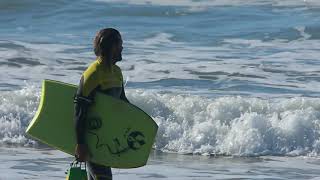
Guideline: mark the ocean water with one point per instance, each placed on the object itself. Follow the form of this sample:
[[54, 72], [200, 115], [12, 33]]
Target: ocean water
[[234, 85]]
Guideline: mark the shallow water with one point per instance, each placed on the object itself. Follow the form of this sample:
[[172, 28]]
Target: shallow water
[[30, 163]]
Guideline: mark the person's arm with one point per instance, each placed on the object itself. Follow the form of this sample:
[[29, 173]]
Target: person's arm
[[82, 101], [81, 105]]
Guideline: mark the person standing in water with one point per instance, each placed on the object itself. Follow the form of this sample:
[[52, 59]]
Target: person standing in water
[[103, 75]]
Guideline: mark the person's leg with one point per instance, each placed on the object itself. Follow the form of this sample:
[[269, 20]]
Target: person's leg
[[98, 172]]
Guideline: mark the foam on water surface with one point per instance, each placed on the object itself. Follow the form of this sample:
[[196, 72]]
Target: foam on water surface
[[190, 124]]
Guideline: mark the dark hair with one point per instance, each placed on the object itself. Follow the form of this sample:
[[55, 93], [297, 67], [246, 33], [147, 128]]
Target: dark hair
[[104, 40]]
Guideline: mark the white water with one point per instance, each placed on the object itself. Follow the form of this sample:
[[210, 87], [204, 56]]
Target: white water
[[231, 125]]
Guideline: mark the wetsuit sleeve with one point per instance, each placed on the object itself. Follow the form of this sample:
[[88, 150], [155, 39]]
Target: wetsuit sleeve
[[83, 99]]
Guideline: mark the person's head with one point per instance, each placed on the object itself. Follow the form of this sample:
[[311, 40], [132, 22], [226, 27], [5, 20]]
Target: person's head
[[108, 45]]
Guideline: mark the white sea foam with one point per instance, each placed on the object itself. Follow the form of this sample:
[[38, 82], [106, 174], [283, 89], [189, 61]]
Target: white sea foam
[[231, 125], [16, 111]]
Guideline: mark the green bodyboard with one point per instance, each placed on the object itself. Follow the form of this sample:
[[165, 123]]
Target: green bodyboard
[[118, 134]]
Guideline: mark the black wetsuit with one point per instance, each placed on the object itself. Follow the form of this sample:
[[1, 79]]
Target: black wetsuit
[[108, 80]]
